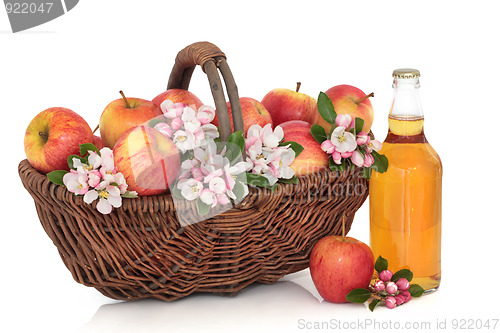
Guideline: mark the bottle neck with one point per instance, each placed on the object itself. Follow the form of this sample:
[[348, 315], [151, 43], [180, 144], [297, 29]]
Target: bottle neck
[[406, 117]]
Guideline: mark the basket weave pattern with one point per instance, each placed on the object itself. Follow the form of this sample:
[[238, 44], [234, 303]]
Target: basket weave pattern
[[144, 249]]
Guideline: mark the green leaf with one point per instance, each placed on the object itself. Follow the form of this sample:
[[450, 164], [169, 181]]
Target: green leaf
[[203, 208], [238, 138], [318, 133], [293, 180], [84, 149], [156, 121], [128, 195], [297, 148], [403, 273], [359, 123], [326, 109], [337, 167], [176, 192], [381, 264], [253, 179], [373, 304], [367, 173], [359, 295], [415, 290], [380, 163], [83, 160], [239, 190], [57, 176]]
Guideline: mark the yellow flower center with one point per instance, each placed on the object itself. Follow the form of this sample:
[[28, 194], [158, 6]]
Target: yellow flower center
[[103, 194], [182, 138], [194, 188], [342, 138], [260, 156], [89, 167]]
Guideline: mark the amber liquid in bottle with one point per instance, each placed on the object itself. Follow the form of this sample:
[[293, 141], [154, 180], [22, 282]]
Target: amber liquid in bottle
[[405, 203]]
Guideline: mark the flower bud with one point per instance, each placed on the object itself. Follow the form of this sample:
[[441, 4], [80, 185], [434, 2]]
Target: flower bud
[[400, 299], [390, 302], [385, 275], [406, 294], [379, 285], [391, 288], [403, 284]]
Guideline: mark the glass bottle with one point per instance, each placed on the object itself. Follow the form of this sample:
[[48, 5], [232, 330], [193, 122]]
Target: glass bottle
[[405, 201]]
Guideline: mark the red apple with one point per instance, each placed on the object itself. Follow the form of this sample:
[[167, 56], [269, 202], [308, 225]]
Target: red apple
[[148, 160], [349, 100], [179, 96], [285, 104], [340, 265], [98, 142], [123, 114], [313, 158], [52, 136], [253, 113]]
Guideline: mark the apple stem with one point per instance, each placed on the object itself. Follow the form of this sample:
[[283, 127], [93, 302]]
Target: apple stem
[[298, 87], [343, 228], [367, 96], [125, 99], [97, 127], [43, 135]]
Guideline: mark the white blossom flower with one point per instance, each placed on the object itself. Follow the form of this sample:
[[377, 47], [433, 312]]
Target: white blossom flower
[[109, 196], [343, 140]]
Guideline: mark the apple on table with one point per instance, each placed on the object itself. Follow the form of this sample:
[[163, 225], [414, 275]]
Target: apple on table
[[123, 114], [349, 100], [148, 160], [254, 113], [52, 136], [339, 264], [285, 105]]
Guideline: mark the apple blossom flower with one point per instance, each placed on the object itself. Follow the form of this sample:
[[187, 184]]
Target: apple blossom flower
[[373, 145], [171, 110], [184, 140], [361, 138], [109, 196], [208, 197], [209, 131], [190, 188], [379, 285], [343, 140], [400, 299], [76, 182], [328, 146], [337, 157], [107, 159], [385, 275], [343, 120], [390, 302], [191, 123], [164, 129], [94, 178], [205, 114], [403, 284], [368, 161], [391, 287], [357, 158], [406, 294], [279, 162], [176, 123]]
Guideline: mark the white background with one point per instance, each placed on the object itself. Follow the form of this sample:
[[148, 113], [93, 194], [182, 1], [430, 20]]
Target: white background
[[82, 59]]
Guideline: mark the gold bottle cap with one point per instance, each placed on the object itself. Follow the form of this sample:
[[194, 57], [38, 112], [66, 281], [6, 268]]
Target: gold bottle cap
[[406, 73]]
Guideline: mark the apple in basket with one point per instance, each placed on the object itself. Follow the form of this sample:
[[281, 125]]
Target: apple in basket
[[179, 96], [148, 160], [349, 100], [52, 136], [285, 105], [313, 158], [122, 114], [339, 264], [253, 112]]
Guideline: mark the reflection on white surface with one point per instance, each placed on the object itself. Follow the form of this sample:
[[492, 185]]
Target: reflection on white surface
[[254, 309]]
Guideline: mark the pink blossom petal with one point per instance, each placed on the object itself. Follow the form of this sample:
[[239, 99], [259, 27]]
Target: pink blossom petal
[[357, 158], [103, 206]]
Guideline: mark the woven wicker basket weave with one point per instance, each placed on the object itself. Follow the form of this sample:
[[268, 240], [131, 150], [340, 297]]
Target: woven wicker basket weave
[[143, 250]]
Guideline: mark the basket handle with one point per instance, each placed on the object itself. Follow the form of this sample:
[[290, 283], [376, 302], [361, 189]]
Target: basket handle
[[210, 58]]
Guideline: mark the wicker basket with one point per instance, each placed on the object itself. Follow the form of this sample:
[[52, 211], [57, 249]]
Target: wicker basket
[[143, 250]]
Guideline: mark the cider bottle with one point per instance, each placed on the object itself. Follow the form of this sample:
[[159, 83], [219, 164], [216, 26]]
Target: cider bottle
[[405, 201]]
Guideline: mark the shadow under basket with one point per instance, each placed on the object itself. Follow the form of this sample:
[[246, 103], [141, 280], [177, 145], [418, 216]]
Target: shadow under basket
[[145, 249]]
